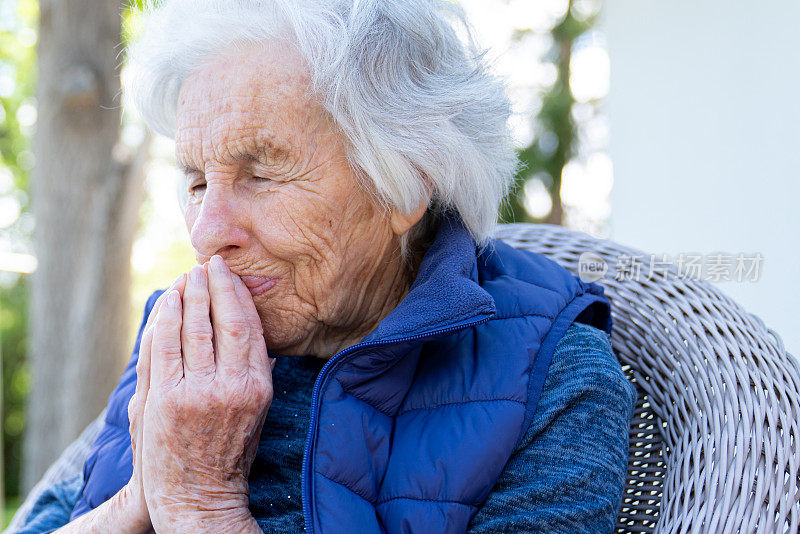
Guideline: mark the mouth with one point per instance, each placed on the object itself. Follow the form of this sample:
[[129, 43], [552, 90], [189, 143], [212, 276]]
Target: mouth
[[258, 284]]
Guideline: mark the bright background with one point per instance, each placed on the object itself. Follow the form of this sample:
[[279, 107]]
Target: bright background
[[704, 112]]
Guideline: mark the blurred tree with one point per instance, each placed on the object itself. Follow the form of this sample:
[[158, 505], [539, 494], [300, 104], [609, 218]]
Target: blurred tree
[[86, 193], [553, 146]]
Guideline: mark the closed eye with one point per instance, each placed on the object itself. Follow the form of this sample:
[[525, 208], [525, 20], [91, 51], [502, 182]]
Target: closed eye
[[196, 185]]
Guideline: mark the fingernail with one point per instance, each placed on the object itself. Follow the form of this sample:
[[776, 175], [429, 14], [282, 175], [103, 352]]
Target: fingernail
[[195, 274], [172, 299], [217, 264]]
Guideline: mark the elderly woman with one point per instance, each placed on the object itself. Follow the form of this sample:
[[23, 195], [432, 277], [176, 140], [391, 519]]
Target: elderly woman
[[353, 352]]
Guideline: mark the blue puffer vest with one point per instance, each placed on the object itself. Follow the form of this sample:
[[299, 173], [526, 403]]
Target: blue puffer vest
[[410, 428]]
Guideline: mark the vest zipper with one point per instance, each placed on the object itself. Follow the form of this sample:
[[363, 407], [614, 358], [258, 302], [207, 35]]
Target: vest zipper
[[337, 358]]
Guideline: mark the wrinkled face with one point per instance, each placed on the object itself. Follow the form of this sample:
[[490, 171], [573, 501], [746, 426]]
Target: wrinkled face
[[270, 190]]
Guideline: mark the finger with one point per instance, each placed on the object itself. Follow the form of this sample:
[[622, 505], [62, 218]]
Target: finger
[[135, 431], [166, 362], [139, 399], [258, 353], [143, 365], [133, 411], [135, 414], [231, 328], [196, 332], [248, 306], [179, 284], [143, 361]]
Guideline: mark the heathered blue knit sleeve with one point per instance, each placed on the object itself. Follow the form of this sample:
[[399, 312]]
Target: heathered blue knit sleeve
[[569, 473], [53, 506]]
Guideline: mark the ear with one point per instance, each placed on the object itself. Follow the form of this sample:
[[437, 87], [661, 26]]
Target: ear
[[403, 222]]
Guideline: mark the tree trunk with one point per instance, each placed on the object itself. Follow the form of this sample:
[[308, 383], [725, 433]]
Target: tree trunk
[[85, 203]]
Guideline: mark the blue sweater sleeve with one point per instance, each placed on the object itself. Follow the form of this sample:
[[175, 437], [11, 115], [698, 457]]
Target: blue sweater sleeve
[[569, 472], [52, 509]]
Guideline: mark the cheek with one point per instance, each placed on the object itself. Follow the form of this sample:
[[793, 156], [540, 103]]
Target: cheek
[[306, 237], [298, 225]]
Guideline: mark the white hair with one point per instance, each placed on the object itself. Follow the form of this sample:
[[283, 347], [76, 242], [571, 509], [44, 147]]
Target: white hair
[[419, 107]]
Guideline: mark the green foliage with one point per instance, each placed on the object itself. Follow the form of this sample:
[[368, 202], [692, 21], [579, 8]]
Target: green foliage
[[13, 343], [17, 85], [10, 509], [131, 20], [554, 121]]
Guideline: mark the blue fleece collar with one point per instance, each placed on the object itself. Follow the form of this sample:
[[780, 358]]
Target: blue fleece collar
[[446, 292]]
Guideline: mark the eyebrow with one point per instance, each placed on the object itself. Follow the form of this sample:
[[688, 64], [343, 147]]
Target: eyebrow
[[266, 152]]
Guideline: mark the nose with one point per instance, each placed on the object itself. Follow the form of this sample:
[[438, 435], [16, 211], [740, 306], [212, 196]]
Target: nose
[[220, 226]]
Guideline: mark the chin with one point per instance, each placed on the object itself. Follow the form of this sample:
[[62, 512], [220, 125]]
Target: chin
[[280, 339]]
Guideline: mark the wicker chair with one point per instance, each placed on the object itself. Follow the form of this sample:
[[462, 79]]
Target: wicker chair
[[714, 440]]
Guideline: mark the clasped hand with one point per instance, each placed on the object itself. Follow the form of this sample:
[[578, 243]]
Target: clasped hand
[[204, 386]]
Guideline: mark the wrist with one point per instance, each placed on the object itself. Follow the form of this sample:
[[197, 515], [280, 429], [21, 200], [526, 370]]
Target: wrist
[[237, 521], [127, 507], [120, 514]]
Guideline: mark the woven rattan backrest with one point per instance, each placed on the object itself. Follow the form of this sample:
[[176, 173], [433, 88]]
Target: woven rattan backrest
[[714, 441]]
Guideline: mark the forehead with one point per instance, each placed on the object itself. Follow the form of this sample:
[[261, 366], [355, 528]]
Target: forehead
[[244, 92]]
